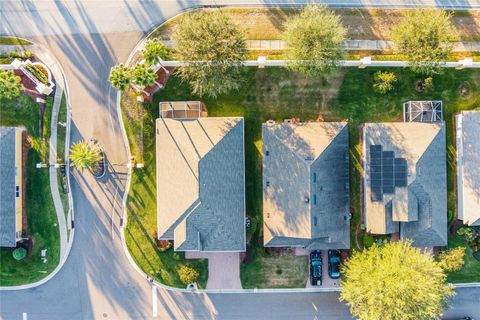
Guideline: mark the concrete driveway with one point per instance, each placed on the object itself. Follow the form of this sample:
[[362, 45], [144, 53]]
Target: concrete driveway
[[223, 269], [327, 282]]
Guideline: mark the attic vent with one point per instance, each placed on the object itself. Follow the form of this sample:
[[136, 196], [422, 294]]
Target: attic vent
[[268, 183], [267, 153], [287, 121], [307, 199], [270, 122]]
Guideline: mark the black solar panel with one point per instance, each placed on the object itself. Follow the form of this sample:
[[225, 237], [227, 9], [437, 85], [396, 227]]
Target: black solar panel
[[387, 172], [376, 172], [400, 172]]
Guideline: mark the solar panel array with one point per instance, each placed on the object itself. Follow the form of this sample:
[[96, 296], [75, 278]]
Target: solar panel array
[[386, 172]]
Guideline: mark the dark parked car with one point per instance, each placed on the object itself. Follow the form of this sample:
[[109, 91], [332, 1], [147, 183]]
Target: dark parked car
[[316, 268], [334, 264]]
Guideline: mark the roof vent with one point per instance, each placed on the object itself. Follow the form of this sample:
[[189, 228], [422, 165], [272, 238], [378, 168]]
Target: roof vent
[[287, 121], [270, 122], [307, 199]]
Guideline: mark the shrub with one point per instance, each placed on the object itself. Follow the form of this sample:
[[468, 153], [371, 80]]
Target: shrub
[[466, 233], [187, 274], [164, 245], [19, 253], [453, 259], [154, 49], [450, 216], [427, 84], [384, 81], [368, 241]]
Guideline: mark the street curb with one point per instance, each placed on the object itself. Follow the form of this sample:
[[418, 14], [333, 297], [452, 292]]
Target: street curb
[[127, 190], [66, 252]]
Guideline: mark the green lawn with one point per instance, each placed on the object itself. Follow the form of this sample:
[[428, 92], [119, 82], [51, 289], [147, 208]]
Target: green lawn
[[41, 217], [61, 136], [140, 231], [470, 272], [275, 93]]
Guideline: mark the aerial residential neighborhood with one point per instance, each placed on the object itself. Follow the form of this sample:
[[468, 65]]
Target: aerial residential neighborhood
[[240, 160]]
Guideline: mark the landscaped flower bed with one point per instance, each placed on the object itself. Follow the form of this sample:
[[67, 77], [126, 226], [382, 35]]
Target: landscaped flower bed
[[472, 236], [38, 72]]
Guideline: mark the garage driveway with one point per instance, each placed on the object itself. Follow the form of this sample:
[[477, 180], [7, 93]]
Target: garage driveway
[[223, 269], [327, 282]]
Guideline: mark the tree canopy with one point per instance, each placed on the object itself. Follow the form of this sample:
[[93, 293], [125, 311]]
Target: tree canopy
[[425, 36], [10, 85], [394, 282], [153, 50], [314, 40], [213, 48], [120, 77]]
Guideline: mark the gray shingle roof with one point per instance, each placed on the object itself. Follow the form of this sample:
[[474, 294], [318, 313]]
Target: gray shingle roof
[[468, 169], [7, 187], [419, 210], [201, 183], [305, 185]]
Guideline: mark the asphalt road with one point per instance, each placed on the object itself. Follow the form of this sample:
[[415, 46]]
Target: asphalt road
[[97, 281]]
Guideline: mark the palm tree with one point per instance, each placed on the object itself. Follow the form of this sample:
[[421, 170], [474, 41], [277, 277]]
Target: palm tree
[[84, 156], [10, 85], [120, 77], [154, 49], [144, 76]]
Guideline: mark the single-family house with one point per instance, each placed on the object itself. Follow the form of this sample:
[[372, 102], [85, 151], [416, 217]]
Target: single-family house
[[11, 186], [201, 183], [405, 181], [468, 166], [306, 185]]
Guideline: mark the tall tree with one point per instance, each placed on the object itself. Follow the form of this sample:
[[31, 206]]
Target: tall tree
[[120, 77], [394, 282], [425, 36], [213, 48], [84, 156], [153, 50], [10, 85], [143, 76], [314, 40]]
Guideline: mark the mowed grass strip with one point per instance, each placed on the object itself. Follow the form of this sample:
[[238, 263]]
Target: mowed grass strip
[[40, 211]]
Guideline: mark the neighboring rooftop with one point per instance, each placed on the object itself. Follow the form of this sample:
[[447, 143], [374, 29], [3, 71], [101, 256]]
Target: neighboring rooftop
[[405, 181], [201, 183], [468, 168], [306, 185], [7, 187]]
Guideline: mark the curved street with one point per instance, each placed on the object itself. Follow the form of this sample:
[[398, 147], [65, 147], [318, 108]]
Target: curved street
[[98, 281]]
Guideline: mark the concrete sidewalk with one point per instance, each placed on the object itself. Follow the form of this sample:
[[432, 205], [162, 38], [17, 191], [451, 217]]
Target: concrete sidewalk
[[370, 45]]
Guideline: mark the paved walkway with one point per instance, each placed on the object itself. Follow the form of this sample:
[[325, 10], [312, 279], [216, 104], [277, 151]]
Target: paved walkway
[[223, 269], [371, 45]]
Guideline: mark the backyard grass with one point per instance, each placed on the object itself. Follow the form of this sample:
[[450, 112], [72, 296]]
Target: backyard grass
[[361, 24], [40, 211], [275, 93], [140, 232]]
